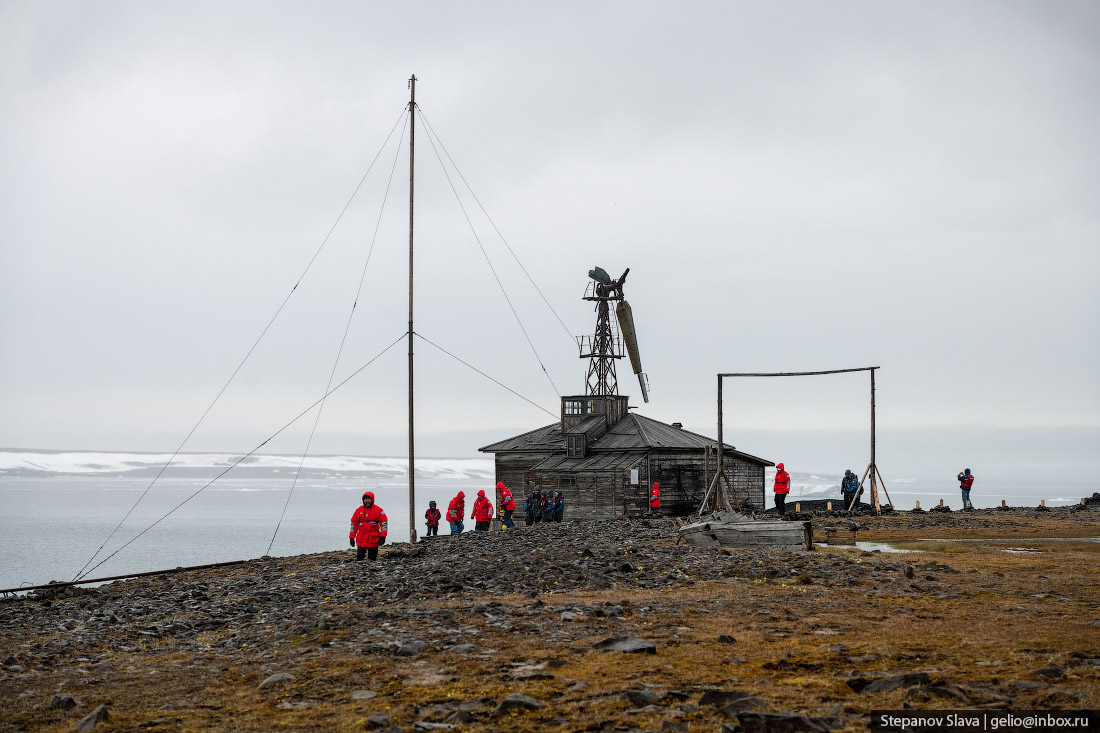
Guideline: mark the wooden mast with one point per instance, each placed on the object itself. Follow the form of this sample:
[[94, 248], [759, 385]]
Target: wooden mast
[[412, 465]]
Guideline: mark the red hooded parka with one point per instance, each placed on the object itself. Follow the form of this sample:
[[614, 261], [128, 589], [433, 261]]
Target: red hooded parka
[[506, 500], [782, 480], [457, 508], [369, 524], [483, 508], [655, 496]]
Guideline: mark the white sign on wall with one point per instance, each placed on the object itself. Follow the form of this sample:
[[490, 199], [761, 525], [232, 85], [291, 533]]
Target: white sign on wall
[[633, 477]]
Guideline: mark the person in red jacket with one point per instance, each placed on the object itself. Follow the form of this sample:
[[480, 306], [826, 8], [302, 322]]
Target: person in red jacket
[[507, 505], [369, 528], [655, 497], [431, 519], [782, 488], [482, 513], [456, 510]]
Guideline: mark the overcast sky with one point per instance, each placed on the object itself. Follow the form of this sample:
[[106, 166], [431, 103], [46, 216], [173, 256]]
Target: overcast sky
[[795, 186]]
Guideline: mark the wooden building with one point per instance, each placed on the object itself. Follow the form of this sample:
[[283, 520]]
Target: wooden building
[[604, 457]]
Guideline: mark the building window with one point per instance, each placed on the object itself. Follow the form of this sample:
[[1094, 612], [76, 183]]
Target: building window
[[578, 407], [576, 446], [567, 482]]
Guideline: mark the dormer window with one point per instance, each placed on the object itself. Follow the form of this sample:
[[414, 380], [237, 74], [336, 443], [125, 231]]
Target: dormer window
[[576, 446], [578, 407]]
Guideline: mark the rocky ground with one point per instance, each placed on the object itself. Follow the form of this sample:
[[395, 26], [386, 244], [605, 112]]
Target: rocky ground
[[607, 626]]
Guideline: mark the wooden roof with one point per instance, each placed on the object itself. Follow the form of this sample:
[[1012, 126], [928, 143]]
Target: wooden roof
[[633, 433]]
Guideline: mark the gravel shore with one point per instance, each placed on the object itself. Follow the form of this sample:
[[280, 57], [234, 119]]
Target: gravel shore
[[461, 628]]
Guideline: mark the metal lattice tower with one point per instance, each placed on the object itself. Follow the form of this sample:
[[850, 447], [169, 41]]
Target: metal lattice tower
[[605, 345]]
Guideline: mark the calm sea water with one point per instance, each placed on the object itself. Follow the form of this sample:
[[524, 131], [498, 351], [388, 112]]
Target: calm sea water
[[51, 526]]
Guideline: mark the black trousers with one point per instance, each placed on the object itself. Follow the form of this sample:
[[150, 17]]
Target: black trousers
[[370, 552], [780, 504], [433, 531], [481, 526]]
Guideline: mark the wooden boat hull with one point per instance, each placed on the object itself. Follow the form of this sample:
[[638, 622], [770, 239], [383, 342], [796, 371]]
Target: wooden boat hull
[[715, 532]]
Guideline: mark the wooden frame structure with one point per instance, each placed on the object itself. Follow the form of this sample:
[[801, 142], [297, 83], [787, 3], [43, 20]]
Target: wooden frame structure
[[872, 467]]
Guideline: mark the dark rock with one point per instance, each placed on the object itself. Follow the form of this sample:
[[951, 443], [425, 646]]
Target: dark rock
[[462, 648], [437, 712], [62, 702], [422, 725], [518, 702], [908, 571], [750, 702], [1050, 672], [640, 698], [474, 703], [885, 684], [721, 697], [948, 691], [378, 721], [459, 717], [92, 719], [786, 723], [726, 639], [625, 644]]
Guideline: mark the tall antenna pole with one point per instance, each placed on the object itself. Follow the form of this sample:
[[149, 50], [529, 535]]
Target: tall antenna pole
[[412, 465]]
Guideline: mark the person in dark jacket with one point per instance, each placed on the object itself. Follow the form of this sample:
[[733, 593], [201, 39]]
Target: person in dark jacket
[[431, 519], [559, 506], [966, 480], [531, 506], [849, 489], [548, 507]]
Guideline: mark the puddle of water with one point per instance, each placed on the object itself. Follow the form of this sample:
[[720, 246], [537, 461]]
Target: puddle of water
[[1015, 539], [886, 547], [869, 547]]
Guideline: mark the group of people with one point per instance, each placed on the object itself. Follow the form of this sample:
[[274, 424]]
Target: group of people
[[543, 506], [850, 489]]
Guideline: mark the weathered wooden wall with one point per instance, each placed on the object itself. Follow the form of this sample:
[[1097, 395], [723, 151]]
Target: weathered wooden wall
[[514, 469], [592, 495], [748, 480]]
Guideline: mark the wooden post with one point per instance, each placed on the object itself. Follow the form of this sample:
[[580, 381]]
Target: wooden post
[[874, 485], [798, 508], [918, 505], [829, 505], [941, 503], [718, 470], [1042, 502], [412, 167], [1003, 506]]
